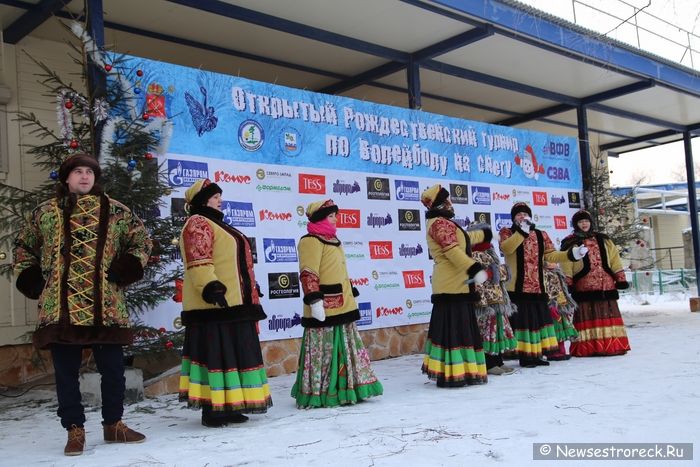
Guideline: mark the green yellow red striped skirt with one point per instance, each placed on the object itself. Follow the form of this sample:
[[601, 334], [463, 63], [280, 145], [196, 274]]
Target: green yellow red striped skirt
[[533, 328]]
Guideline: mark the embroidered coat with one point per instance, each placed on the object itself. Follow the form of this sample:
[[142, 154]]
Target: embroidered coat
[[525, 255], [598, 276], [324, 276], [217, 257], [450, 247], [77, 263]]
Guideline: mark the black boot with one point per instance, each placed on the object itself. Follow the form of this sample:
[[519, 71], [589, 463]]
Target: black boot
[[213, 419], [236, 417], [540, 362], [527, 362]]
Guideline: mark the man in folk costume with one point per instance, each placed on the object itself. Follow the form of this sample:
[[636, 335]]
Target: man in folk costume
[[595, 282], [75, 255], [222, 366], [334, 365], [454, 355], [526, 249]]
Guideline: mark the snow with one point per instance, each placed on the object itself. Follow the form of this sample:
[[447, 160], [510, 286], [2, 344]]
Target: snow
[[649, 395]]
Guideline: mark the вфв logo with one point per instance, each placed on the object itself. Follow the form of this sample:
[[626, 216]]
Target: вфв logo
[[343, 188], [378, 188], [407, 190], [238, 214], [539, 198], [481, 195], [185, 173], [459, 194], [407, 251], [377, 220], [348, 219], [380, 250], [251, 135], [280, 250], [413, 279], [409, 219], [312, 184]]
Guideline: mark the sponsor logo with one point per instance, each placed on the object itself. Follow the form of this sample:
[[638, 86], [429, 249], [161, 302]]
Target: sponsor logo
[[500, 196], [558, 173], [277, 322], [406, 190], [384, 311], [253, 249], [520, 195], [378, 188], [360, 281], [238, 213], [481, 195], [312, 184], [413, 279], [574, 199], [376, 220], [177, 211], [557, 200], [482, 217], [290, 142], [266, 215], [348, 219], [280, 250], [185, 173], [225, 177], [283, 285], [459, 194], [560, 222], [407, 251], [409, 219], [539, 198], [365, 313], [557, 149], [277, 188], [462, 221], [380, 250], [503, 221], [343, 188], [251, 135], [352, 245]]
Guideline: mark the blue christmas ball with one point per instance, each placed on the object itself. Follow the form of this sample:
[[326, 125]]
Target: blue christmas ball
[[53, 175], [129, 168], [137, 90], [132, 163]]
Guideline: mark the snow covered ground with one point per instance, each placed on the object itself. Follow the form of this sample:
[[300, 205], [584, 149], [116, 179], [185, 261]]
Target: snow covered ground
[[649, 395]]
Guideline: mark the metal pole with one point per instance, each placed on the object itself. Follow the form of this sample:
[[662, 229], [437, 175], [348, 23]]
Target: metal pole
[[692, 204], [585, 155], [413, 80], [97, 80]]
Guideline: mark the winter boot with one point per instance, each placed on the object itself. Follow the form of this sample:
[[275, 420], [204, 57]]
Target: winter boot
[[76, 441], [120, 433]]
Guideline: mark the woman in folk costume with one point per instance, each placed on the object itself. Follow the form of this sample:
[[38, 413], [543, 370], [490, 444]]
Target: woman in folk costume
[[334, 365], [594, 283], [526, 249], [561, 308], [494, 308], [454, 355], [222, 365]]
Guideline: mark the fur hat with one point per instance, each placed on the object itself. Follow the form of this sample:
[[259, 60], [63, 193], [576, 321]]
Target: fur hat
[[520, 207], [200, 192], [579, 216], [78, 160], [320, 210], [434, 196]]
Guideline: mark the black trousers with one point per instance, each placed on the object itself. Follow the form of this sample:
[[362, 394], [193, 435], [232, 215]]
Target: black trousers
[[110, 363], [493, 361]]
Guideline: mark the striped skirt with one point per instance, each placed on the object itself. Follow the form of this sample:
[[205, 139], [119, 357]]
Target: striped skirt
[[454, 355], [533, 328], [222, 368], [601, 330]]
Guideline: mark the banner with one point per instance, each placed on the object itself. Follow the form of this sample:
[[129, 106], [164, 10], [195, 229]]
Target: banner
[[273, 150]]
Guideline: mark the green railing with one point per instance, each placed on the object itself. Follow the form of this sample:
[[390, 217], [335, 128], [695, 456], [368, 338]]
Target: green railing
[[660, 281]]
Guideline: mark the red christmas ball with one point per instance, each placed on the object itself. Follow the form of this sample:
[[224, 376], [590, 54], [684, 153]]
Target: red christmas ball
[[108, 67], [73, 144], [145, 116], [169, 345], [161, 330], [69, 105], [148, 156], [139, 72]]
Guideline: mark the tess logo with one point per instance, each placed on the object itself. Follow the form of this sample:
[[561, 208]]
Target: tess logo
[[539, 198], [348, 219], [223, 176], [266, 215], [312, 184], [413, 279], [560, 222], [384, 311], [380, 250]]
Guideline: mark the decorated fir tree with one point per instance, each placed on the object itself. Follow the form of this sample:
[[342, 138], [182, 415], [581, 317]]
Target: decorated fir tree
[[109, 113]]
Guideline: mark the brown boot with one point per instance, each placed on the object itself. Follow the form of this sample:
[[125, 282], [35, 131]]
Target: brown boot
[[120, 433], [76, 441]]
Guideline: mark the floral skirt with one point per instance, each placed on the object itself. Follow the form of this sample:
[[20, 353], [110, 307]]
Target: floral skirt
[[601, 330], [222, 368], [563, 329], [533, 328], [334, 368], [496, 333], [454, 355]]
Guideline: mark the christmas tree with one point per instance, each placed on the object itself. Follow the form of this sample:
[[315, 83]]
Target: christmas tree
[[105, 114]]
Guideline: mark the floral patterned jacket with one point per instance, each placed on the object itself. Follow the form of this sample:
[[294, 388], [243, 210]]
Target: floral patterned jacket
[[76, 262]]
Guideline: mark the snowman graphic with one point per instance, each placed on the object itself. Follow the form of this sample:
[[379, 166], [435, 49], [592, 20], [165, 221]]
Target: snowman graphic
[[529, 164]]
